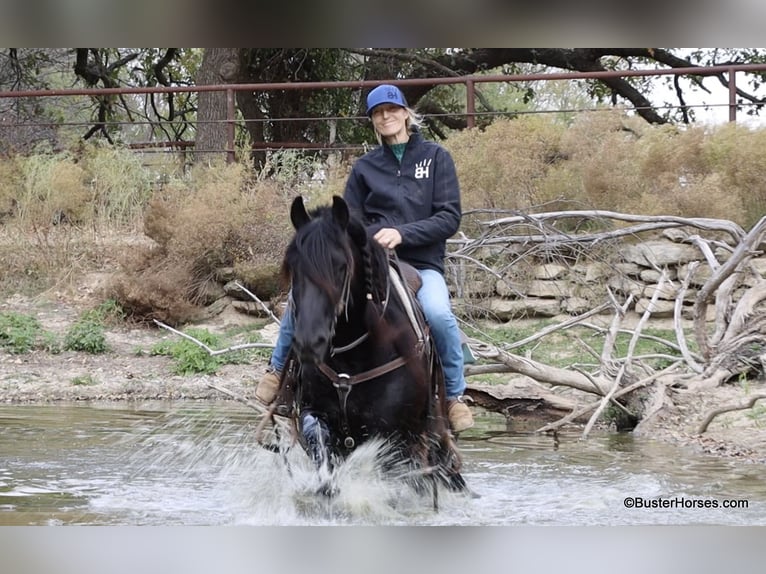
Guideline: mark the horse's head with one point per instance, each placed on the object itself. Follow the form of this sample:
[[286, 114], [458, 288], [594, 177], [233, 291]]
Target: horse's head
[[322, 263]]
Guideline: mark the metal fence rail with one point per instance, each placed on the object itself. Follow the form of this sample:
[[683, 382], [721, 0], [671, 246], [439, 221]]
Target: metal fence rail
[[158, 145]]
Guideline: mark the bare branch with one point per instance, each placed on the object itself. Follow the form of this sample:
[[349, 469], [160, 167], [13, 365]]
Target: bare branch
[[727, 409], [680, 337], [543, 373], [261, 303], [558, 327], [631, 350], [586, 409], [214, 352]]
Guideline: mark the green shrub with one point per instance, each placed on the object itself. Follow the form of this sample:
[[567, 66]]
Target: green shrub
[[18, 333], [190, 358], [84, 381], [109, 312], [86, 335]]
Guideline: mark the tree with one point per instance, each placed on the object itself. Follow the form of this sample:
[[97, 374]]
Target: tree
[[289, 65], [265, 113], [219, 66], [27, 122]]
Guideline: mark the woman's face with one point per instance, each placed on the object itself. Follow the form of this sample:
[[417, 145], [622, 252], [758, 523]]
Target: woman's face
[[390, 121]]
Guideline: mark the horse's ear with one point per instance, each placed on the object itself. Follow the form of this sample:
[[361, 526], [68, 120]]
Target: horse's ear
[[340, 211], [298, 215]]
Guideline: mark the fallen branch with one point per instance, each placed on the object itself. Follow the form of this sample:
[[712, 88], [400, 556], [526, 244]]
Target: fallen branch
[[261, 303], [239, 398], [727, 409], [267, 414], [631, 349], [587, 408], [644, 224], [680, 337], [214, 352], [611, 335], [743, 251], [558, 327], [541, 372]]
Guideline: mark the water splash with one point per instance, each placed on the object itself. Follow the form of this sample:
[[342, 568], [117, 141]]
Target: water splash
[[199, 468]]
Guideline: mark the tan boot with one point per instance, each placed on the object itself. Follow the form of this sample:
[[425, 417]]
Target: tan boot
[[459, 415], [268, 387]]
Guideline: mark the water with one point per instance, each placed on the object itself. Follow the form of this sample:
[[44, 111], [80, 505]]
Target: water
[[188, 463]]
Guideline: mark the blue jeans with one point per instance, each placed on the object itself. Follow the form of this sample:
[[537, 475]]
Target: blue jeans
[[434, 298]]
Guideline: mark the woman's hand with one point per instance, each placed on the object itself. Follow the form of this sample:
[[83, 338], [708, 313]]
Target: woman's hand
[[388, 237]]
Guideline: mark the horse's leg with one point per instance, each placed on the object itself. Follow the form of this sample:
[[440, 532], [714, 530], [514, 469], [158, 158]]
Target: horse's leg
[[448, 462], [316, 434]]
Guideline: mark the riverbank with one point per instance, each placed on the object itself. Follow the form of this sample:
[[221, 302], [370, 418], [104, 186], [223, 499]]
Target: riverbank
[[129, 372]]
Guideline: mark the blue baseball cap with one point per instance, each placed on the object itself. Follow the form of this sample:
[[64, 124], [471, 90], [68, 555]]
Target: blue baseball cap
[[385, 94]]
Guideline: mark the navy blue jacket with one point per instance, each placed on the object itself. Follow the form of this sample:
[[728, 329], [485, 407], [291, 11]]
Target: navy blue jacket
[[419, 198]]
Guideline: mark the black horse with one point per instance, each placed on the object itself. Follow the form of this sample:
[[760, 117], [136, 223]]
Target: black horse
[[362, 364]]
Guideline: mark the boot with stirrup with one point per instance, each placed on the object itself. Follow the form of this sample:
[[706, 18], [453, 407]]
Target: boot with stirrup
[[459, 415], [268, 387]]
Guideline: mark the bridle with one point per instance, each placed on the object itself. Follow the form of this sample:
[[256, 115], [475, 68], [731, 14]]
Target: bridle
[[344, 382]]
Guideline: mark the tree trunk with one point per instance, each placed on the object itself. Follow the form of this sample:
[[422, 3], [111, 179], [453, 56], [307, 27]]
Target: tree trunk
[[219, 65]]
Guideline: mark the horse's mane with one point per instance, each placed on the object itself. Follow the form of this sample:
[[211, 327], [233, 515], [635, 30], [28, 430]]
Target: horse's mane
[[311, 251], [314, 245], [315, 251]]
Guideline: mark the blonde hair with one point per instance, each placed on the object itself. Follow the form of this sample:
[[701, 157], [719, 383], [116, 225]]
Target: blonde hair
[[414, 121]]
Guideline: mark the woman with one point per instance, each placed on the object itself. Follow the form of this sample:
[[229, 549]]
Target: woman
[[408, 193]]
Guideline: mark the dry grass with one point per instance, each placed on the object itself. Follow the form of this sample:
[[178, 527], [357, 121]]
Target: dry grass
[[217, 217], [609, 160], [62, 214]]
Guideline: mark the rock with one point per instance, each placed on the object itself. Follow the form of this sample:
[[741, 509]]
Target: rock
[[660, 309], [506, 309], [548, 289], [549, 271], [659, 253], [250, 308]]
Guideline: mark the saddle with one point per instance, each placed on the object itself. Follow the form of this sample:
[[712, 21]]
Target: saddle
[[410, 275]]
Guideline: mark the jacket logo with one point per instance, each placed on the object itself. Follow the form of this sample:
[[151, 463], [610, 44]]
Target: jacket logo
[[422, 169]]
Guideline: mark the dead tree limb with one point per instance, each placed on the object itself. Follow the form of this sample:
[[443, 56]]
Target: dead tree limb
[[680, 337], [257, 300], [543, 373], [558, 327], [588, 408], [727, 409], [649, 223], [611, 334], [259, 408], [629, 357], [214, 352], [705, 294]]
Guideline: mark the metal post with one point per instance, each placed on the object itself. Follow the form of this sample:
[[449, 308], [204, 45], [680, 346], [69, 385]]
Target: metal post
[[470, 106], [732, 95], [230, 115]]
